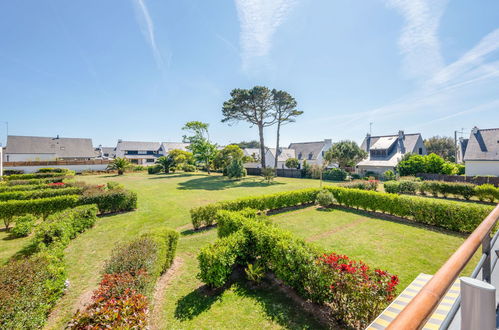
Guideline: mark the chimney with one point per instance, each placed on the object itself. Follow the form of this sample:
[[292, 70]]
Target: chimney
[[401, 139], [328, 143], [368, 142], [57, 136], [401, 135], [120, 140], [474, 130]]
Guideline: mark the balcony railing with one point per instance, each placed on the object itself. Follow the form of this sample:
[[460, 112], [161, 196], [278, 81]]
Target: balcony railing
[[417, 312]]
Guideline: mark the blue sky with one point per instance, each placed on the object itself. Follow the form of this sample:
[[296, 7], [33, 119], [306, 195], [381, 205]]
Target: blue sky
[[140, 69]]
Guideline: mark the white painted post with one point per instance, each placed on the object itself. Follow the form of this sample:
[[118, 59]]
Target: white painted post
[[478, 304]]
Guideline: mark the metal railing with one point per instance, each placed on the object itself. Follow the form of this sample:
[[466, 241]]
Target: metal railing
[[417, 312]]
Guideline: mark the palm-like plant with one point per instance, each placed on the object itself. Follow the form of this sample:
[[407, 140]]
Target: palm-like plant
[[119, 164], [167, 162]]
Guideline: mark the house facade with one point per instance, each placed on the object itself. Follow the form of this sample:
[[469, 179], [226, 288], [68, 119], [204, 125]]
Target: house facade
[[166, 147], [282, 155], [139, 153], [37, 148], [311, 152], [385, 152], [481, 155]]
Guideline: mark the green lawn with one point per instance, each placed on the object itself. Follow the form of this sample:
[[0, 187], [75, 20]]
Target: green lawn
[[401, 248], [165, 200]]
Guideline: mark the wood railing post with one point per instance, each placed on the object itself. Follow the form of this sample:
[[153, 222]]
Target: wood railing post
[[486, 270]]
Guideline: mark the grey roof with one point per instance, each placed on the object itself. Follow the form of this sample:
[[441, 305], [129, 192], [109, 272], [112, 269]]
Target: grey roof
[[251, 151], [388, 142], [167, 146], [462, 144], [111, 151], [306, 148], [61, 147], [284, 154], [483, 144], [138, 145]]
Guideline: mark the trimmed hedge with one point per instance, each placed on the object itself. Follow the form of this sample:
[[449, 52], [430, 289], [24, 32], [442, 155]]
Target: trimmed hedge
[[26, 187], [129, 276], [39, 207], [205, 215], [35, 181], [33, 176], [111, 201], [355, 293], [30, 286], [53, 170], [41, 193], [24, 225], [452, 215]]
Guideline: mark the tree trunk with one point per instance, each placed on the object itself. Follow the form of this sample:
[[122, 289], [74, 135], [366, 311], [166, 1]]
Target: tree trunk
[[277, 144], [262, 145], [208, 166]]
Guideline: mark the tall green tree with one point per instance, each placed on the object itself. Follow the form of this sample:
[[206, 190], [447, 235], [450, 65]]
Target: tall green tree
[[345, 153], [225, 157], [441, 145], [254, 106], [285, 113], [203, 150]]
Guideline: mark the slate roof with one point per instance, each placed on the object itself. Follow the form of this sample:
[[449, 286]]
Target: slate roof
[[285, 154], [409, 142], [306, 148], [387, 142], [483, 144], [251, 151], [167, 146], [138, 145], [61, 147]]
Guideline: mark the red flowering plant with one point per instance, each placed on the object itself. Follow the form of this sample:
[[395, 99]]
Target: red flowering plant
[[356, 293], [56, 184], [117, 303]]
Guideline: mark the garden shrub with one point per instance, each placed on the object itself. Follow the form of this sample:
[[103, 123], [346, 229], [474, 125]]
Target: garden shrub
[[112, 185], [487, 192], [236, 170], [268, 174], [35, 181], [325, 198], [7, 188], [129, 277], [53, 170], [11, 172], [402, 187], [362, 184], [39, 207], [188, 168], [154, 169], [335, 174], [110, 201], [206, 215], [29, 288], [355, 292], [24, 225], [31, 176], [41, 193], [389, 175]]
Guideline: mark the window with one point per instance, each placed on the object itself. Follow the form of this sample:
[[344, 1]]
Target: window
[[62, 148], [149, 160], [322, 153], [299, 155], [106, 155], [142, 152], [420, 151], [310, 155], [131, 152]]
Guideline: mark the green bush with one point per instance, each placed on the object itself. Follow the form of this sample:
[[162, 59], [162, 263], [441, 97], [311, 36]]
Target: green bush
[[110, 201], [325, 198], [154, 169], [452, 215], [335, 174], [7, 188], [53, 170], [236, 170], [112, 185], [41, 193], [31, 176], [389, 175], [10, 172], [362, 184], [24, 225], [206, 215], [401, 187], [268, 174], [59, 228], [29, 288], [39, 207], [35, 181], [188, 168], [487, 192], [304, 267]]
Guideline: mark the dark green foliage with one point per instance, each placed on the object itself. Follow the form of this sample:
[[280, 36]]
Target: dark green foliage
[[24, 225], [36, 181], [154, 169], [236, 170], [268, 174], [53, 170], [41, 193], [487, 192], [362, 184], [402, 187], [26, 187], [335, 174], [292, 163], [111, 201], [345, 154], [206, 215], [10, 172], [435, 188], [29, 288], [39, 207], [33, 176], [188, 168], [389, 175], [306, 170], [325, 198], [112, 185]]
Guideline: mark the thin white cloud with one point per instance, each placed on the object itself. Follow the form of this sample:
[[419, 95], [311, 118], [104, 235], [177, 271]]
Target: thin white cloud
[[147, 27], [419, 43], [259, 19]]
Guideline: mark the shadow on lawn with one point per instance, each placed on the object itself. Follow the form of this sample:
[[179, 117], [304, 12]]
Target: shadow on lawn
[[392, 218], [196, 302], [221, 183], [169, 176]]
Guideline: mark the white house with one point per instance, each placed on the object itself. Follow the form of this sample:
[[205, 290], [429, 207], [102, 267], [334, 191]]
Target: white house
[[481, 155], [282, 155], [385, 152], [140, 153], [38, 148], [255, 154], [166, 147], [312, 152]]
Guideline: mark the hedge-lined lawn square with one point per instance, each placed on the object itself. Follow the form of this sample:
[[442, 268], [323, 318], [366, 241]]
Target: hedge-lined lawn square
[[401, 248]]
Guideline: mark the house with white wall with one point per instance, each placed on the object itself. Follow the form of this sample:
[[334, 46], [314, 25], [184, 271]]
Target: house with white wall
[[282, 155], [481, 156], [312, 152], [39, 148], [138, 152], [385, 152]]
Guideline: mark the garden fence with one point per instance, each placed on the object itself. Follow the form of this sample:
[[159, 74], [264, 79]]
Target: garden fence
[[283, 172], [478, 180]]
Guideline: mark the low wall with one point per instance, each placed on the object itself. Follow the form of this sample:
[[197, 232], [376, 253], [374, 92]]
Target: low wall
[[282, 172], [460, 178]]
